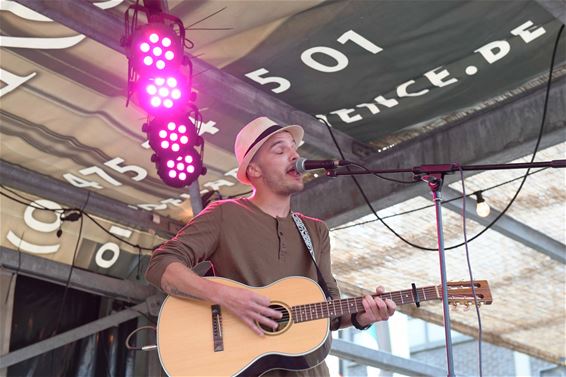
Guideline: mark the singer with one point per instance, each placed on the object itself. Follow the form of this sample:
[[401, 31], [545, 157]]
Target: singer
[[256, 241]]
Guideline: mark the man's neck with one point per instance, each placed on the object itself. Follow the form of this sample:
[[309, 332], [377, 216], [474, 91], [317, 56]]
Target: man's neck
[[272, 204]]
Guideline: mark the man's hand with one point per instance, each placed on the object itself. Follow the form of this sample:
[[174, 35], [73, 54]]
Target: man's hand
[[249, 307], [376, 309]]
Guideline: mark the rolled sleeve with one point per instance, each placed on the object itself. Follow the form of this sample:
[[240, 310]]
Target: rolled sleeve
[[195, 243]]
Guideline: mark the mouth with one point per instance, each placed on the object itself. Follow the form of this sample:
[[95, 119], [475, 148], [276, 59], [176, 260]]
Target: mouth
[[293, 172]]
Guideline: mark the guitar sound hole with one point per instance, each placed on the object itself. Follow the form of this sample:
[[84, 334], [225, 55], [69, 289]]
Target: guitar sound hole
[[282, 323]]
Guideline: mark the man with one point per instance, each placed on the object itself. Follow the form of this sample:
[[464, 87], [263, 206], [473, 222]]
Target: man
[[255, 240]]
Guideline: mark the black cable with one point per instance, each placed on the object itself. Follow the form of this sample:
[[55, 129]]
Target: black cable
[[211, 28], [470, 270], [69, 209], [432, 205], [18, 268], [136, 246], [67, 283], [545, 107], [383, 177], [205, 18], [139, 263], [20, 195], [29, 202], [362, 192]]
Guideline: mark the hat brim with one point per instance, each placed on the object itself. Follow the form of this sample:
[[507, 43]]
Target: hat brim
[[296, 132]]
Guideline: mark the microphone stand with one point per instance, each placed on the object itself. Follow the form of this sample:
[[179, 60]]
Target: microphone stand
[[434, 176]]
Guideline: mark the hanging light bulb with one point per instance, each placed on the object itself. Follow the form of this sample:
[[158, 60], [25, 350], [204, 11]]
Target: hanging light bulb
[[482, 208]]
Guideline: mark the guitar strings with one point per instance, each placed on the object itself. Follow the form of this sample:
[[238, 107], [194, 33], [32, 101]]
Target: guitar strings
[[326, 309]]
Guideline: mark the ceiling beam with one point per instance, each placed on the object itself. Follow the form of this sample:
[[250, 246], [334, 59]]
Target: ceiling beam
[[86, 281], [499, 134], [555, 7], [224, 89], [507, 226], [96, 204]]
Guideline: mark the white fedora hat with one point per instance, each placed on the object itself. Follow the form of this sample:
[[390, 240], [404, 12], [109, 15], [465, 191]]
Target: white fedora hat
[[251, 138]]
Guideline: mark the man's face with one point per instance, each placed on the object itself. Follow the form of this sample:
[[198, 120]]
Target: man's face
[[275, 164]]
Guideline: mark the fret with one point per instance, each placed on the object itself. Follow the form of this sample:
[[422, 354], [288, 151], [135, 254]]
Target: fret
[[334, 302], [407, 296], [335, 308]]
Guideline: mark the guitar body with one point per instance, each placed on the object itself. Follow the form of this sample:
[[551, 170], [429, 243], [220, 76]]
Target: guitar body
[[195, 340]]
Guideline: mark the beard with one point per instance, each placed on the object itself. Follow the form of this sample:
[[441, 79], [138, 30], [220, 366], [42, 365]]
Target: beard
[[283, 184]]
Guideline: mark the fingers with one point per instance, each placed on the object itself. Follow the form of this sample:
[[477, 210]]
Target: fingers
[[377, 309], [391, 306], [253, 309], [261, 300], [261, 313], [265, 321], [253, 326]]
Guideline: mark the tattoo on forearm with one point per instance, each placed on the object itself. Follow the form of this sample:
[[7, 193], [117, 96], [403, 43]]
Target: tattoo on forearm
[[178, 293]]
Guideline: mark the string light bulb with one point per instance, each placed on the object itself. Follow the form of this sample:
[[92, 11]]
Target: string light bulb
[[482, 208]]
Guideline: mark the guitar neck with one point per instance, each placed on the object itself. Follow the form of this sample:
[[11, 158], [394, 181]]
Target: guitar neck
[[336, 308]]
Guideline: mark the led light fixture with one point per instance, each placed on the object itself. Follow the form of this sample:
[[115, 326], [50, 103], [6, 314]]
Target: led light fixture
[[159, 81], [163, 94], [179, 171], [155, 49], [172, 136]]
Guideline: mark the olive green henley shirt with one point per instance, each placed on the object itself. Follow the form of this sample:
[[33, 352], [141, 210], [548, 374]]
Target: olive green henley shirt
[[247, 245]]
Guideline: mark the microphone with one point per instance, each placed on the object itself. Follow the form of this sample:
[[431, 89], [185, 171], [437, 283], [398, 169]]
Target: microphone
[[302, 164]]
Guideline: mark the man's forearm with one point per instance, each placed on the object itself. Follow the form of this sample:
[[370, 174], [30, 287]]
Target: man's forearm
[[178, 280]]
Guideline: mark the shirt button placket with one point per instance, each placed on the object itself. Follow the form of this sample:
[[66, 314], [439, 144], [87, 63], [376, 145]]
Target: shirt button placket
[[282, 246]]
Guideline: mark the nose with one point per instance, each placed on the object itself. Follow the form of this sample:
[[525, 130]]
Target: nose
[[294, 156]]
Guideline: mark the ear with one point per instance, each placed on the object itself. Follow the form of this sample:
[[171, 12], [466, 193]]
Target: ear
[[253, 171]]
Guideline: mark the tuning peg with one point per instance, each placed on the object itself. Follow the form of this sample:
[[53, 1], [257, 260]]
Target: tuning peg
[[466, 306]]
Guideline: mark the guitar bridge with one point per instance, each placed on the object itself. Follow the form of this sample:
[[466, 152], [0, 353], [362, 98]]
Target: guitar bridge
[[217, 328]]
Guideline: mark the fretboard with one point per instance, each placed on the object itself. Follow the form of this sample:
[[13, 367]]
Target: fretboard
[[335, 308]]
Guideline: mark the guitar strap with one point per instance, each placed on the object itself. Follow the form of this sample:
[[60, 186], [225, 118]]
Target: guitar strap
[[308, 243]]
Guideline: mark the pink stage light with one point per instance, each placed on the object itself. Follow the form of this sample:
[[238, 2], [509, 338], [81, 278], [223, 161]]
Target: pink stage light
[[171, 136], [163, 94], [155, 48], [181, 170]]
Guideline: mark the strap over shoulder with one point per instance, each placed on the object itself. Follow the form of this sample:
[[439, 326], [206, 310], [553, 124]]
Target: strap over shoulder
[[308, 243]]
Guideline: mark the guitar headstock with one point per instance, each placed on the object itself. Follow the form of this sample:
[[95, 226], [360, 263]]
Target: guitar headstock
[[460, 292]]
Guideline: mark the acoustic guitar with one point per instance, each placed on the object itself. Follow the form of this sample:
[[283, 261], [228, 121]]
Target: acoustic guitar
[[199, 338]]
